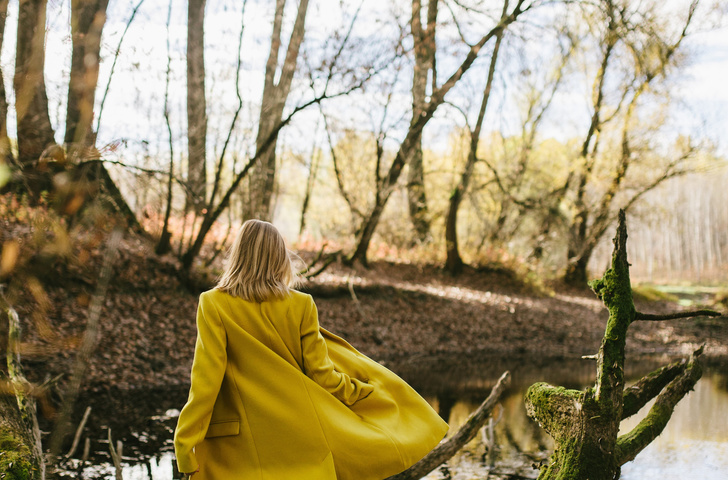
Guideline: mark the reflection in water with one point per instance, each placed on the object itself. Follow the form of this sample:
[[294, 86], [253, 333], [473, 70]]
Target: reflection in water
[[693, 445]]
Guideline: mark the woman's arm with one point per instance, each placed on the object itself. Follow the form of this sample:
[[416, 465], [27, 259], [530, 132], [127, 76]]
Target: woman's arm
[[208, 369], [318, 366]]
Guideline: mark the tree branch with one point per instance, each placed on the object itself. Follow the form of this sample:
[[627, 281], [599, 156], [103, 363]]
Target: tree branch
[[550, 405], [113, 64], [632, 443], [672, 316], [446, 449], [648, 387]]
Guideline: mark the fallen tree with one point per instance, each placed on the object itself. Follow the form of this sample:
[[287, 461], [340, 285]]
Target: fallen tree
[[585, 424]]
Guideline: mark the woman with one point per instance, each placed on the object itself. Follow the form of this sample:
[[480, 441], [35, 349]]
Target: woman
[[275, 397]]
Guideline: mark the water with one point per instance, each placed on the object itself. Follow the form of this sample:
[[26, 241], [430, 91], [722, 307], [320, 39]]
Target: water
[[693, 445]]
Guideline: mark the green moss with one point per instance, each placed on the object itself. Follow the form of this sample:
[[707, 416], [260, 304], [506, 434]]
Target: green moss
[[15, 457]]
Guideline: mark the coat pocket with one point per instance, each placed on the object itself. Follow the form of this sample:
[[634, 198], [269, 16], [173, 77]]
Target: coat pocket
[[224, 428]]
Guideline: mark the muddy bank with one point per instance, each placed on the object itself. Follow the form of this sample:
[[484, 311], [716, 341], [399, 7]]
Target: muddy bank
[[400, 314]]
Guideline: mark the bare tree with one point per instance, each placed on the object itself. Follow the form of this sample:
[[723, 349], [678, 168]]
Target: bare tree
[[164, 244], [415, 130], [653, 54], [220, 197], [275, 94], [454, 262]]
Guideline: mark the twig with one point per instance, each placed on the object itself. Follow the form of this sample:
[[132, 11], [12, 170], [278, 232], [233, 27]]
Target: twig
[[316, 259], [86, 449], [113, 65], [672, 316], [79, 430], [350, 285], [116, 456], [330, 258]]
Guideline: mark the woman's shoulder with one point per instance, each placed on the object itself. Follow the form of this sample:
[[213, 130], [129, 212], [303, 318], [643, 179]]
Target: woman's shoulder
[[212, 293], [294, 297], [299, 297]]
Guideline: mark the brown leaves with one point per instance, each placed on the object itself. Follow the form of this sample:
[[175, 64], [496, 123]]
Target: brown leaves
[[9, 257]]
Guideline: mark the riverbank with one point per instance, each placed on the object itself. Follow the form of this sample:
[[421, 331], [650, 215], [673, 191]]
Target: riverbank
[[400, 314]]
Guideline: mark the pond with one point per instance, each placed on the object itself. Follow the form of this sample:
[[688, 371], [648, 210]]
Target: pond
[[694, 444]]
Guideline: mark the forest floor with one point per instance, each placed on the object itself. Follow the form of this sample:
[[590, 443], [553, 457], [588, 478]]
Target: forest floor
[[394, 313]]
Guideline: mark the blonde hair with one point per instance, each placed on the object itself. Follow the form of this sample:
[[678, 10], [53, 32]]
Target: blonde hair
[[259, 266]]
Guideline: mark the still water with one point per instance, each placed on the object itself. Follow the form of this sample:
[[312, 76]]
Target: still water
[[694, 444]]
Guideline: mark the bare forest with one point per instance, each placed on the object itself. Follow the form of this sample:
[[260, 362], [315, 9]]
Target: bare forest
[[451, 174]]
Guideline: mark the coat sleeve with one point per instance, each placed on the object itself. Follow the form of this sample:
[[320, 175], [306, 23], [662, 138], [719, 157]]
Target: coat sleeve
[[318, 366], [208, 369]]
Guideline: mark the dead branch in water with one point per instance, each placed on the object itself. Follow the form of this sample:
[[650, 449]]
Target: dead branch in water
[[446, 449]]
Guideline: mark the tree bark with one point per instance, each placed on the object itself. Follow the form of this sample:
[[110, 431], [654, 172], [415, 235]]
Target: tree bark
[[87, 22], [274, 99], [31, 102], [424, 52], [196, 107]]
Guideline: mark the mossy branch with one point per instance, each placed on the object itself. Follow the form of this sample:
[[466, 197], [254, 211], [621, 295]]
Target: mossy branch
[[615, 290], [648, 387], [22, 390], [552, 406], [672, 316], [632, 443], [445, 450]]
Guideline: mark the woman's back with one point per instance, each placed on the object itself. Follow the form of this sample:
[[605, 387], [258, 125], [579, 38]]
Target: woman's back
[[275, 397]]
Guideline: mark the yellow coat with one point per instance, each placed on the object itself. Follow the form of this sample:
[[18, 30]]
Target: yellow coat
[[275, 397]]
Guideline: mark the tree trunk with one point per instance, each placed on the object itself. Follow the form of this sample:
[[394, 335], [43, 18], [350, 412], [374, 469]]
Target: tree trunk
[[196, 107], [313, 168], [31, 102], [454, 263], [424, 51], [6, 152], [585, 424], [87, 22], [271, 110], [577, 274]]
